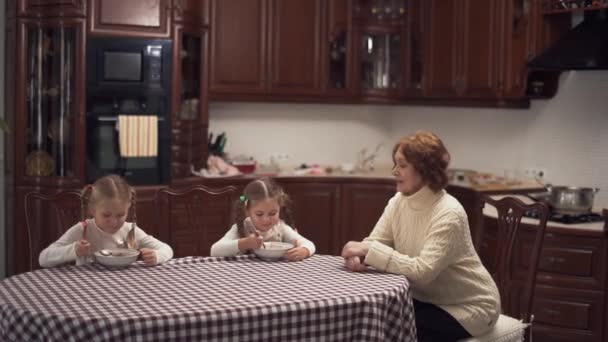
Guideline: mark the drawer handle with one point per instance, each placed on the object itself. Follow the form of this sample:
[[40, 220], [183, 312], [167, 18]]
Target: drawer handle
[[555, 260], [551, 312]]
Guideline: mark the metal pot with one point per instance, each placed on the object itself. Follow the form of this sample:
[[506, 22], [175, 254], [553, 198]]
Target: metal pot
[[570, 200]]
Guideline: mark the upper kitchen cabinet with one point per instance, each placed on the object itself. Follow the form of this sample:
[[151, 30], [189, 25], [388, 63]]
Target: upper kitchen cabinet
[[143, 18], [294, 46], [189, 101], [381, 51], [265, 47], [45, 92], [461, 48], [238, 41], [194, 12], [475, 51], [335, 50], [46, 8]]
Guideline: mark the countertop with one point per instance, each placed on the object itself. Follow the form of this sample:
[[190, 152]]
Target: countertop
[[490, 211]]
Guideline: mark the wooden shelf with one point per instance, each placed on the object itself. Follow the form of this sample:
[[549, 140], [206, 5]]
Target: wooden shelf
[[570, 6]]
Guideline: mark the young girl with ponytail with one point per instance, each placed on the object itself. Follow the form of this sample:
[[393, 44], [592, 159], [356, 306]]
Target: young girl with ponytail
[[262, 214], [108, 201]]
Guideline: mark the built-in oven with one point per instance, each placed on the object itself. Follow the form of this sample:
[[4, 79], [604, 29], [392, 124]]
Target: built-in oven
[[128, 121], [104, 154]]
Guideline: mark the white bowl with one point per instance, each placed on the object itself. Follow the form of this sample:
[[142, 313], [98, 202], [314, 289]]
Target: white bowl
[[273, 251], [119, 257]]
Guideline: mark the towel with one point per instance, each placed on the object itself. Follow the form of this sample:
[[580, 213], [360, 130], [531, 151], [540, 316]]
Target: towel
[[138, 135]]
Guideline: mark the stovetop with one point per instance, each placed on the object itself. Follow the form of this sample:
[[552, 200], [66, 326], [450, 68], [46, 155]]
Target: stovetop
[[569, 219]]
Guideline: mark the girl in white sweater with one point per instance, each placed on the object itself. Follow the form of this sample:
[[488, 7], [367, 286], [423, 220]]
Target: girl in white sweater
[[424, 235], [261, 215], [108, 201]]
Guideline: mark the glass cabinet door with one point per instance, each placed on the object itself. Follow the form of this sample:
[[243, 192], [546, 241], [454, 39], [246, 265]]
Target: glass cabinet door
[[380, 61], [190, 85], [50, 102], [337, 61]]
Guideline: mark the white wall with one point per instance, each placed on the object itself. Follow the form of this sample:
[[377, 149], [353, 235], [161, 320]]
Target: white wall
[[567, 136]]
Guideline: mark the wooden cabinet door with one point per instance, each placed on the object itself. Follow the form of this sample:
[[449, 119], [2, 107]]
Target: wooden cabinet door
[[316, 213], [478, 48], [147, 218], [195, 12], [146, 18], [440, 44], [238, 42], [362, 206], [51, 8], [519, 41], [295, 41]]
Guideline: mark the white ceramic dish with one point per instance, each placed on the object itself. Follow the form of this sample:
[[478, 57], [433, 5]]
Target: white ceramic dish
[[273, 251], [119, 257]]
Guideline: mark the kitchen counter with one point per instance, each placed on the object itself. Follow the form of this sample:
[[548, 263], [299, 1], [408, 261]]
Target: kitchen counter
[[490, 211]]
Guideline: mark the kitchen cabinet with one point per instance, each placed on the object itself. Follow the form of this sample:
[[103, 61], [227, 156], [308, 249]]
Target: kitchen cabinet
[[147, 18], [316, 212], [336, 51], [361, 206], [265, 47], [462, 44], [189, 105], [47, 8], [570, 297], [238, 46], [194, 12]]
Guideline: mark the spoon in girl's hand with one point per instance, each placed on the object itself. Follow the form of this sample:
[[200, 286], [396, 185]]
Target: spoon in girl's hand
[[105, 252]]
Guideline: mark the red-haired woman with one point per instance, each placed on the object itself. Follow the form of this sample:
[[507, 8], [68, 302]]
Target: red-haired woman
[[424, 235]]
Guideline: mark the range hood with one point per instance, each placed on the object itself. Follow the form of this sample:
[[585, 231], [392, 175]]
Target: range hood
[[584, 47]]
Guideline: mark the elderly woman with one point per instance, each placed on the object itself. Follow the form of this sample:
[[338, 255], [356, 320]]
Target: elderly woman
[[424, 235]]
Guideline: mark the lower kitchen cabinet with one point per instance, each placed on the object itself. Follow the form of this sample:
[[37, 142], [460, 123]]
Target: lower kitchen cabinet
[[362, 206], [570, 297]]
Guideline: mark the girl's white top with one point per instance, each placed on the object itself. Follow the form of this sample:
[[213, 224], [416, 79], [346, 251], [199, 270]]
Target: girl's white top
[[63, 251], [281, 232]]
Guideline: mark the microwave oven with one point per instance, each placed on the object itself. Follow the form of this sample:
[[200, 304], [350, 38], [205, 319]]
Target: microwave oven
[[115, 64]]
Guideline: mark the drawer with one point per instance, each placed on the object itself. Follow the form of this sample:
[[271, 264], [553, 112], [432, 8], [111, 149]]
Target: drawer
[[571, 313], [572, 262]]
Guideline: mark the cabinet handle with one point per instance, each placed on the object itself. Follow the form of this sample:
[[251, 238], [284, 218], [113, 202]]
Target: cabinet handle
[[551, 312], [555, 260]]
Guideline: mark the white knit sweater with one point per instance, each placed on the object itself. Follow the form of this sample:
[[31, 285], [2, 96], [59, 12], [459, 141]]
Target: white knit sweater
[[63, 250], [228, 245], [426, 237]]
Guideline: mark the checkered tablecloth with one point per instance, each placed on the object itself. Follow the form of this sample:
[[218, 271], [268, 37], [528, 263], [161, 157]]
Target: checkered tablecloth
[[208, 299]]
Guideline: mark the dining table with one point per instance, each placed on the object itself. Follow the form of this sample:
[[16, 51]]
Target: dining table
[[240, 298]]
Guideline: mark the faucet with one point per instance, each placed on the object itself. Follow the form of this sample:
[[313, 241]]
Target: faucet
[[365, 162]]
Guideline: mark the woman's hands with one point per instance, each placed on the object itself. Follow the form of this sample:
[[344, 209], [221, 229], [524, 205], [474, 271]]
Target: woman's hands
[[82, 247], [253, 241], [148, 256], [354, 253]]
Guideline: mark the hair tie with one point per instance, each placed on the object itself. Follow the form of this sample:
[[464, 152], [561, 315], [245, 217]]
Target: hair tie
[[243, 198]]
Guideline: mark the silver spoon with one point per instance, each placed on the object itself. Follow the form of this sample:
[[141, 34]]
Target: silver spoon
[[105, 252]]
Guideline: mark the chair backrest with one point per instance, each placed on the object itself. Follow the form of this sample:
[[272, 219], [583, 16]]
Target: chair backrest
[[47, 217], [517, 294], [194, 218]]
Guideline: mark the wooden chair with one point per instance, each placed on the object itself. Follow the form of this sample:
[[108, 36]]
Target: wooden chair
[[194, 218], [47, 217], [516, 294]]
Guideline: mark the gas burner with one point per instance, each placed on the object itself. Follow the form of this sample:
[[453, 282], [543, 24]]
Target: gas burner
[[569, 219]]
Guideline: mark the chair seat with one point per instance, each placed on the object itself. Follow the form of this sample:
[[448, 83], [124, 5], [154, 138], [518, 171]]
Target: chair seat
[[506, 329]]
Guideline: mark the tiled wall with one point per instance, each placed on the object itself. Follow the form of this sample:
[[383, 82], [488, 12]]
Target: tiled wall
[[567, 136]]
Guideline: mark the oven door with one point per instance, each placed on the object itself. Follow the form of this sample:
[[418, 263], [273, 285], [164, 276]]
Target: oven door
[[103, 155]]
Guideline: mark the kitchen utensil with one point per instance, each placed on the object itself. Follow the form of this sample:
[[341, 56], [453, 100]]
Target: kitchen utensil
[[116, 257], [273, 251], [571, 200]]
